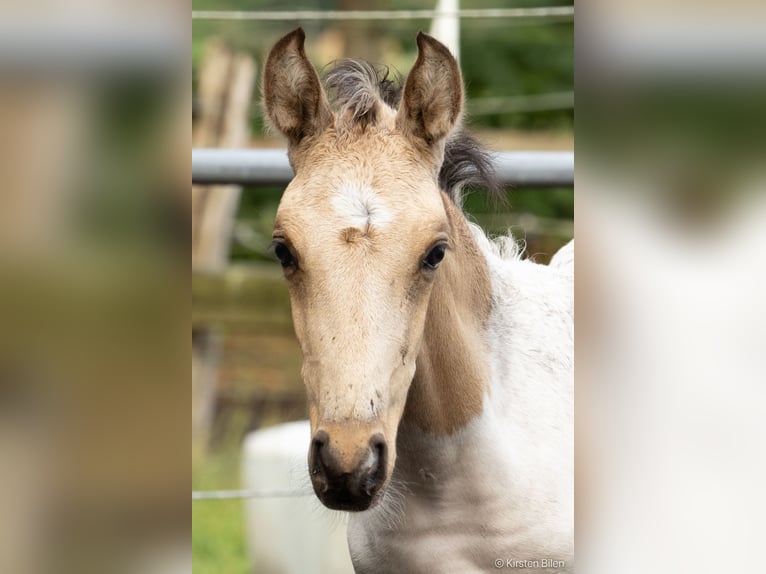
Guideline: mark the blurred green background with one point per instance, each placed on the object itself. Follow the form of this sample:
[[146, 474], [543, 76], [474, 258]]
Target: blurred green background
[[519, 80]]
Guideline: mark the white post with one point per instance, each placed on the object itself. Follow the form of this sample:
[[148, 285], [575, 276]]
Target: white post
[[289, 535], [446, 26]]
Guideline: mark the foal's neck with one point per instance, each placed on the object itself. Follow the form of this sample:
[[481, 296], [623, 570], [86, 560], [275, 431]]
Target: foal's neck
[[452, 372]]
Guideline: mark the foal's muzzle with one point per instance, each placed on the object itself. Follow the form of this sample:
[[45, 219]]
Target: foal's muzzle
[[343, 481]]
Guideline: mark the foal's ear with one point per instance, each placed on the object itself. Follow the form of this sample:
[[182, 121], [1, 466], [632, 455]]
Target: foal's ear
[[432, 100], [293, 97]]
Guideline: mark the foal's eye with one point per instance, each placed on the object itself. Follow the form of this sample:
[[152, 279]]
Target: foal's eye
[[435, 256], [284, 255]]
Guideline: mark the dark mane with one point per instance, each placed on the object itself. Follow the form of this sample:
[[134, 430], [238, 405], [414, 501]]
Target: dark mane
[[354, 86]]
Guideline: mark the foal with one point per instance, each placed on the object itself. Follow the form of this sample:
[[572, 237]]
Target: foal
[[438, 364]]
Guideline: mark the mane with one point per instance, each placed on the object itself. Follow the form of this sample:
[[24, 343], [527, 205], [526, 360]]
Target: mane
[[354, 86]]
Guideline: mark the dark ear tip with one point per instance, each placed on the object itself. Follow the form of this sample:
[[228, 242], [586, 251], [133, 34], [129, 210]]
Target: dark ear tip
[[297, 37], [426, 41]]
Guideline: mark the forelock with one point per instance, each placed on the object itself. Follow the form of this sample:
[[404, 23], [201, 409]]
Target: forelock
[[356, 88]]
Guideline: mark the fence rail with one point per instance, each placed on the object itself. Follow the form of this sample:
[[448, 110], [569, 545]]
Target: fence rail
[[260, 167]]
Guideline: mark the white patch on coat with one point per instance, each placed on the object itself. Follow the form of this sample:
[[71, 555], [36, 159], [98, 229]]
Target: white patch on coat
[[361, 205]]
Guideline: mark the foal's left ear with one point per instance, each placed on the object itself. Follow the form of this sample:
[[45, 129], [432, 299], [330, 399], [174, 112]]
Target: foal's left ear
[[293, 96], [432, 100]]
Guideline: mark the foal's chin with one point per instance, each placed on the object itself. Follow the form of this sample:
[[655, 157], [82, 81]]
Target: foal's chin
[[347, 505], [339, 499]]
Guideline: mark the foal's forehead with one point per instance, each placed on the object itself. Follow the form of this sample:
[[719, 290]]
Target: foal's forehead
[[369, 182], [376, 155], [362, 204]]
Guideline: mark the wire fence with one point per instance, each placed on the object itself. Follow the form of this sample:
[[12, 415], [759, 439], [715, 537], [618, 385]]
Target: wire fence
[[546, 12], [247, 494]]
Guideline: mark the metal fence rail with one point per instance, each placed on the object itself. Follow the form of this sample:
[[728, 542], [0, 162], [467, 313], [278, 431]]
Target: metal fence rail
[[260, 167]]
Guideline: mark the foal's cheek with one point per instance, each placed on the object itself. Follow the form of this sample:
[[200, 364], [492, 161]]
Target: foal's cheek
[[400, 386], [300, 323]]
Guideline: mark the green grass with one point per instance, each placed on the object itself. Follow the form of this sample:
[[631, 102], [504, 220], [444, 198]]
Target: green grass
[[218, 537]]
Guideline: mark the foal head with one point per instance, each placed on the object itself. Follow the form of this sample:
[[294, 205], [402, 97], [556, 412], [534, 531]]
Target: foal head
[[360, 233]]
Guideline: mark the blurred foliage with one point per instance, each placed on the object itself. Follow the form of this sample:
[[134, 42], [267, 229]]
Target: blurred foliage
[[499, 57], [218, 539]]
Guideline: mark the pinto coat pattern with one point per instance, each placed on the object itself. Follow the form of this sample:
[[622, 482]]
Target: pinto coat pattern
[[438, 364]]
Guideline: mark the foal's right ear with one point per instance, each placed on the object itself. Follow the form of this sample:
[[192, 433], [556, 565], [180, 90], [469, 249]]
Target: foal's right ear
[[295, 102], [432, 99]]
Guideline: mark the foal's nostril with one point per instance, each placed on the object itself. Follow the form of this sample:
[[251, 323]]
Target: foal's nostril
[[317, 464], [377, 473], [321, 438], [379, 447]]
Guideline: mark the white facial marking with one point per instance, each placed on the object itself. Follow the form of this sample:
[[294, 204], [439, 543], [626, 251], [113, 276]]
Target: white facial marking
[[361, 205]]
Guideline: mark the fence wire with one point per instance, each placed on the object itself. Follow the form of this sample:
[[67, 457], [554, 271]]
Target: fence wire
[[547, 12], [247, 494]]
